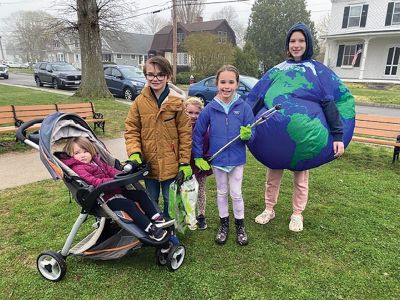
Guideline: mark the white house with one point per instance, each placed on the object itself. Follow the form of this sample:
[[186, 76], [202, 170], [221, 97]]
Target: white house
[[363, 40]]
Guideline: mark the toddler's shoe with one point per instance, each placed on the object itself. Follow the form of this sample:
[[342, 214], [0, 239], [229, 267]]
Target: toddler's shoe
[[201, 222], [296, 223], [156, 233], [165, 224], [265, 217]]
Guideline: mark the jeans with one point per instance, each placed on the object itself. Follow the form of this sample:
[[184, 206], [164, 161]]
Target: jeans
[[153, 189]]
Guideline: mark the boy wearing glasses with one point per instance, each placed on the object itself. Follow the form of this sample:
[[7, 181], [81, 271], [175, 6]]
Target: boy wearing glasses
[[158, 132]]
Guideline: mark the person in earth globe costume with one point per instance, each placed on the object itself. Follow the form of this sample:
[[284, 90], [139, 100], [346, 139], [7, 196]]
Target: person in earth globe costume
[[313, 127]]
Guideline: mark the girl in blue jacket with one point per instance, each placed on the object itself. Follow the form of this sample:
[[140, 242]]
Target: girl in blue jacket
[[226, 117]]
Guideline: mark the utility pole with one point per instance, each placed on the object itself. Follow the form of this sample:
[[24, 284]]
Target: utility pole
[[2, 51], [174, 41]]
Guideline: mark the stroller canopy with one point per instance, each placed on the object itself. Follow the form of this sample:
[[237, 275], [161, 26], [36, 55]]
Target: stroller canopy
[[59, 126]]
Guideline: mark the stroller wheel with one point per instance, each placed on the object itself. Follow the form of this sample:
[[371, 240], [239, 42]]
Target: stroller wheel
[[51, 265], [176, 257], [161, 257]]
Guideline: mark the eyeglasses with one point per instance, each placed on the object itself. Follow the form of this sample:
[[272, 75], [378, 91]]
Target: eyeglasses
[[151, 76]]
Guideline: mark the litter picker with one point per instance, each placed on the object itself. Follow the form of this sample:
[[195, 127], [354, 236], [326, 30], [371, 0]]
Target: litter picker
[[263, 117]]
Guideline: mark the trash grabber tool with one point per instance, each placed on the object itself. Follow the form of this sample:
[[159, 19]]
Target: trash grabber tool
[[262, 118]]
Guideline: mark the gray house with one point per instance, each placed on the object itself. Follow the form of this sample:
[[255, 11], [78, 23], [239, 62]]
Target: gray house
[[126, 48], [363, 40]]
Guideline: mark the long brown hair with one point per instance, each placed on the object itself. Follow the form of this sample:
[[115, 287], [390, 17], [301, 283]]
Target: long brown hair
[[82, 142], [227, 68]]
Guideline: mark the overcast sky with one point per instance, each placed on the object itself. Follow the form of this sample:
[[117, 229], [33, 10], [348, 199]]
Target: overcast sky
[[319, 8]]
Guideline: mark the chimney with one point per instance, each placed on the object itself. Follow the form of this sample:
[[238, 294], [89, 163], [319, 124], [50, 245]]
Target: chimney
[[199, 19]]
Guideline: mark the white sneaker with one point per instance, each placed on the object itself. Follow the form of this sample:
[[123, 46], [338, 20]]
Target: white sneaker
[[265, 217], [296, 223]]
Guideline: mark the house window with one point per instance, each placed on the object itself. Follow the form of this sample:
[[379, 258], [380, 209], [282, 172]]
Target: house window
[[60, 57], [140, 59], [107, 57], [76, 43], [355, 16], [392, 61], [396, 14], [77, 58], [119, 55], [145, 58], [56, 44], [222, 37], [349, 55], [180, 37], [182, 59], [133, 56]]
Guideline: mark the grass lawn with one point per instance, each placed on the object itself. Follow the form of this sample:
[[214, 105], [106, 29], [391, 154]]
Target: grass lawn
[[115, 112], [366, 95], [348, 250]]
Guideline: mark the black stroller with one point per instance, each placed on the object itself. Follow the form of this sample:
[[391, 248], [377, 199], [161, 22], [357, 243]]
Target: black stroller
[[113, 237]]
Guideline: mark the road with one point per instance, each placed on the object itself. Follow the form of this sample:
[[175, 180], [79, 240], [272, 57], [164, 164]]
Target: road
[[27, 81]]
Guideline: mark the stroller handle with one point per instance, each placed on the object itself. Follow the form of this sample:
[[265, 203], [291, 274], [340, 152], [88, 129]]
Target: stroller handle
[[22, 134]]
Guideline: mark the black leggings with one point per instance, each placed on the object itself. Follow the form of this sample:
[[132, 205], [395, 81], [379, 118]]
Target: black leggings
[[141, 216]]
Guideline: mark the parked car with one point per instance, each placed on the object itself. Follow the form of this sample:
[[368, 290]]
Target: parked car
[[206, 88], [56, 74], [124, 81], [4, 71]]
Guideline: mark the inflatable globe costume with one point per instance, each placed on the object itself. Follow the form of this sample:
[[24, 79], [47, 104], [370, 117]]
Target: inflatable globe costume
[[316, 120], [300, 136]]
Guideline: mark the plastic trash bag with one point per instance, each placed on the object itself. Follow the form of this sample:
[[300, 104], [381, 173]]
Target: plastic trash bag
[[182, 203]]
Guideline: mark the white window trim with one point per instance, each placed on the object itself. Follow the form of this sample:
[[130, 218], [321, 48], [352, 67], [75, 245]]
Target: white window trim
[[118, 55], [394, 8], [391, 65], [359, 17], [350, 66]]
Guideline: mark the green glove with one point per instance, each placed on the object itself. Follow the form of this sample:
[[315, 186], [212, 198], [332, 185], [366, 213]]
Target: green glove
[[202, 164], [135, 157], [245, 132], [187, 171]]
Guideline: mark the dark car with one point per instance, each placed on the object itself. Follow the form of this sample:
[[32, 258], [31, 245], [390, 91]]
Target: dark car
[[4, 71], [124, 81], [206, 88], [57, 74]]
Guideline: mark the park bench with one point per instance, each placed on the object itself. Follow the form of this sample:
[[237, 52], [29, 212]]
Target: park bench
[[12, 116], [379, 130]]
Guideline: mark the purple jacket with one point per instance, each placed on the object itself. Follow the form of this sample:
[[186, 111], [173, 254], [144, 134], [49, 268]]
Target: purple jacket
[[94, 174]]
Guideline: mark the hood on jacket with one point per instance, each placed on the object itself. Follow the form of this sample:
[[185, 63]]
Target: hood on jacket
[[307, 33]]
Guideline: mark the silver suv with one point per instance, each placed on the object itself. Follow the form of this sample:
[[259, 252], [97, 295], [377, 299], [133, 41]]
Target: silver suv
[[57, 74], [4, 71]]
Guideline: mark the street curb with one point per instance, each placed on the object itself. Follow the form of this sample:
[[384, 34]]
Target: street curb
[[378, 105], [40, 89]]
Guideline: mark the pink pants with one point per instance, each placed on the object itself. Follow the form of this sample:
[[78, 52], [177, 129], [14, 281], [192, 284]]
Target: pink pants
[[300, 193], [229, 182]]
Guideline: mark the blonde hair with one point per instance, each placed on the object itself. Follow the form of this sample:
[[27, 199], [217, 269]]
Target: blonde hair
[[82, 142], [196, 101]]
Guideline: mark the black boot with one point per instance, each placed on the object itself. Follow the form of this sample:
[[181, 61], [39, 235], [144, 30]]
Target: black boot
[[222, 233], [241, 236]]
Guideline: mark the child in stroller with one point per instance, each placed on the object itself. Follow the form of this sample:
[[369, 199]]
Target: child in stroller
[[114, 234], [82, 158]]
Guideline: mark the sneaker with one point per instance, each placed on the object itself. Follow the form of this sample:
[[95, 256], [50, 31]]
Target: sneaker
[[265, 217], [201, 222], [165, 224], [296, 223], [156, 233]]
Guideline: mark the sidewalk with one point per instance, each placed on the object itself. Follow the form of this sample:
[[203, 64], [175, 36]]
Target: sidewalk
[[22, 168]]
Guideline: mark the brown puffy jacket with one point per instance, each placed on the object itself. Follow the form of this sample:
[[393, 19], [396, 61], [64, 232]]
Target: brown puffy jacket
[[163, 136]]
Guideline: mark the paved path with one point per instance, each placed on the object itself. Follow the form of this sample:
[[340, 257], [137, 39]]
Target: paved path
[[21, 168]]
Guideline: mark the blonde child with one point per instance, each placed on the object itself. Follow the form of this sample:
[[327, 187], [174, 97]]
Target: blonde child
[[225, 117], [193, 108]]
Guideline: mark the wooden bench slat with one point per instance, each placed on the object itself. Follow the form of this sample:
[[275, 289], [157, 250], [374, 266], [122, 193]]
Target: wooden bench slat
[[6, 108], [376, 132], [74, 105], [19, 108], [375, 141], [376, 125], [7, 120]]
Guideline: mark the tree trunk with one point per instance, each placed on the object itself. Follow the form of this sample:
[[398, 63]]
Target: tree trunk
[[93, 83]]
